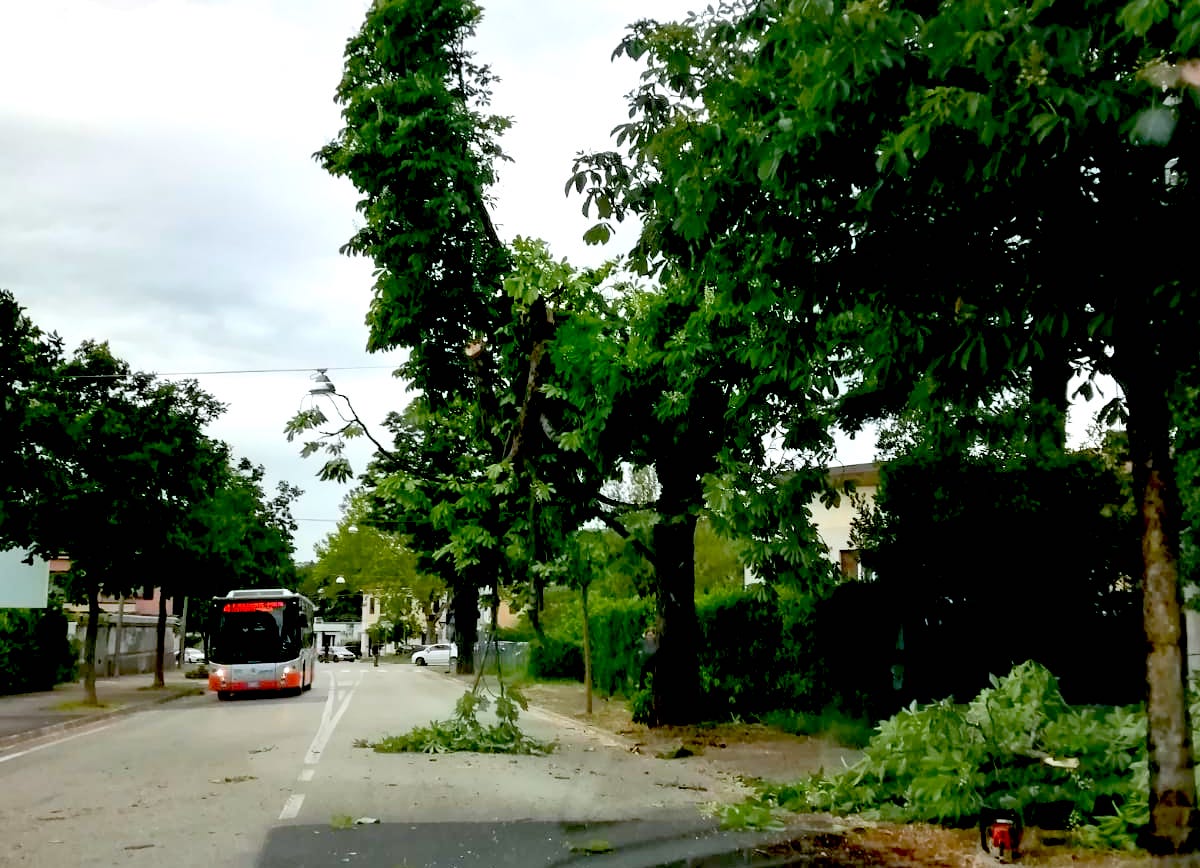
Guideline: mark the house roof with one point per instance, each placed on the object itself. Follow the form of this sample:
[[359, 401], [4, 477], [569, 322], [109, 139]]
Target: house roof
[[859, 474]]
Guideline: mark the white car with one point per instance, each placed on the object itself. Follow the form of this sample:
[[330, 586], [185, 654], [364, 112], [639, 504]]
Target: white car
[[193, 655], [445, 654], [339, 654]]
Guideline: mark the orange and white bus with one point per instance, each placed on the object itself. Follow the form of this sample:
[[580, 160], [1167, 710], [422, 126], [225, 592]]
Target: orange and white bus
[[263, 640]]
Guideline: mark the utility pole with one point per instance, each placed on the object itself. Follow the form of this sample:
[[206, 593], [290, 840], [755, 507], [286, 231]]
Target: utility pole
[[120, 636], [182, 635]]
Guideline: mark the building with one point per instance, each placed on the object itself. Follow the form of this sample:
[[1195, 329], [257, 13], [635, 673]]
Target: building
[[833, 522]]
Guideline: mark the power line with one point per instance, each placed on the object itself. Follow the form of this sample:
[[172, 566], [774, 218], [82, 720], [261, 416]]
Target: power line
[[238, 371]]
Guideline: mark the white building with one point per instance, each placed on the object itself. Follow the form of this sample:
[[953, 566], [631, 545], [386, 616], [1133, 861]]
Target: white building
[[833, 523]]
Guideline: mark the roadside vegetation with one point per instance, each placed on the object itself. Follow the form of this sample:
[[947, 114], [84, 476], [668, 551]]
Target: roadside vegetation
[[1078, 770], [850, 218]]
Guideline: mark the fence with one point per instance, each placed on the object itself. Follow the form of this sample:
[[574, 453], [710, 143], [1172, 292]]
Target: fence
[[512, 654]]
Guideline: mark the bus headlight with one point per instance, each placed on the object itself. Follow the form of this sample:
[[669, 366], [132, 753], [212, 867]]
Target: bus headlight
[[220, 673]]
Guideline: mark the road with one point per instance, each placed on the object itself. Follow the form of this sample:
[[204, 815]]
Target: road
[[266, 782]]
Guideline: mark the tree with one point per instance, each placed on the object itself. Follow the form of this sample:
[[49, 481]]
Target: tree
[[813, 166], [498, 337], [235, 537], [28, 358], [378, 562], [117, 454]]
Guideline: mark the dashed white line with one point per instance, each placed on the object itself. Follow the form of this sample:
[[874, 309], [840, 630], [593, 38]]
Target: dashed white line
[[329, 722], [292, 807]]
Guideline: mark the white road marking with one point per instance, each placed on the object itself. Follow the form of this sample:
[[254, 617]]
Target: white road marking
[[329, 722], [307, 774], [57, 741], [292, 807]]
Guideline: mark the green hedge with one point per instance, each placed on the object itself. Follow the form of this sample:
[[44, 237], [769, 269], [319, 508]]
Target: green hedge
[[616, 632], [755, 654], [555, 658], [34, 651]]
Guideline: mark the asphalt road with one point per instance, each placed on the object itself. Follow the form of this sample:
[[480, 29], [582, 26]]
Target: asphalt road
[[269, 781]]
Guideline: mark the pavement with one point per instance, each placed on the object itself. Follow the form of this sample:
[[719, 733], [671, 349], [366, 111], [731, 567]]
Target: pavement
[[30, 716], [281, 782]]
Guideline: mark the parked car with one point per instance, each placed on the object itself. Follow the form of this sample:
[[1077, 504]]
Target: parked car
[[338, 654], [444, 654], [193, 655]]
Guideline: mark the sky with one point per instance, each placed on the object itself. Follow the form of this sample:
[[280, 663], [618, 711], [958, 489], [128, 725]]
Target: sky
[[157, 190]]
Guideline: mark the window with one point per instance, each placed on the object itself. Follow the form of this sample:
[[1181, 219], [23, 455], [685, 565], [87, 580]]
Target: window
[[851, 564], [371, 605]]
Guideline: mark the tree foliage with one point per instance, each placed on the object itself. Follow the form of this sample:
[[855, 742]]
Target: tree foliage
[[1017, 746], [894, 197], [113, 469]]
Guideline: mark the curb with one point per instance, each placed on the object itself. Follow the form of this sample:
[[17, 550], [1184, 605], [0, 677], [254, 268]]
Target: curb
[[19, 738]]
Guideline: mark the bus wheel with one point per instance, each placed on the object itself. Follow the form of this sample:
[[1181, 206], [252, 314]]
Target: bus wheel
[[224, 695]]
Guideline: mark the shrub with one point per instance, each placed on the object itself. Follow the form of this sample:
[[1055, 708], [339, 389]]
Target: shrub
[[755, 654], [523, 632], [34, 651], [617, 628], [555, 658]]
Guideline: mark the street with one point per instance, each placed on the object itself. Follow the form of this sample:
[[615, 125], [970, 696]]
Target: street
[[274, 781]]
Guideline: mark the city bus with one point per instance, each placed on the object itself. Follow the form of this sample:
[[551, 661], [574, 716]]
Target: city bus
[[263, 639]]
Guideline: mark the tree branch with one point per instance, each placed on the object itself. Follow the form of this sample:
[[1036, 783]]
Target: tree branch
[[366, 431], [623, 532], [543, 330], [620, 504]]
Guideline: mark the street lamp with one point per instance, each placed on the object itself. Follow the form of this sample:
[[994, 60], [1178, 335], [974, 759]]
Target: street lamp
[[324, 386]]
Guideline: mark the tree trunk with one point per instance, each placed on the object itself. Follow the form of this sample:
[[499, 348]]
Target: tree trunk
[[1172, 778], [587, 650], [160, 639], [535, 608], [89, 644], [676, 682], [466, 625]]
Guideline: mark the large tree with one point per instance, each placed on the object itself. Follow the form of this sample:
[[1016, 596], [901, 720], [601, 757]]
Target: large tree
[[119, 457], [968, 196], [236, 536]]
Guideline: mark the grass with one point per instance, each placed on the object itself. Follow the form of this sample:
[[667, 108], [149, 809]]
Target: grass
[[81, 705], [834, 725]]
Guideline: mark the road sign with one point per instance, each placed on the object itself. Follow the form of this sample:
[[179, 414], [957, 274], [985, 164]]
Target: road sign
[[22, 585]]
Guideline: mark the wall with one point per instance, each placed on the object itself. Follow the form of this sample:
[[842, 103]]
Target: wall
[[138, 638]]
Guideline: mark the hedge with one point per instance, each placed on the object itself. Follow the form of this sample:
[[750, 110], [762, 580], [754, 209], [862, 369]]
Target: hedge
[[34, 651], [755, 654]]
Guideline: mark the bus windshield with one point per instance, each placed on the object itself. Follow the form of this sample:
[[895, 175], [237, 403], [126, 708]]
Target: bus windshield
[[258, 631]]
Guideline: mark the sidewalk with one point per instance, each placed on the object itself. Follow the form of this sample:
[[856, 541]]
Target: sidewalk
[[28, 716]]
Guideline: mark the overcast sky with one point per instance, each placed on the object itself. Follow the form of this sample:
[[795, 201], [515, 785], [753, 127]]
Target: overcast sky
[[157, 188]]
